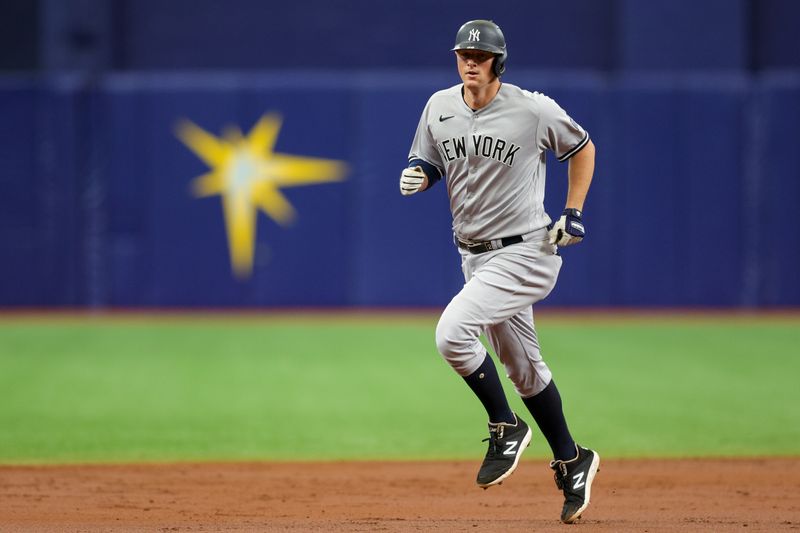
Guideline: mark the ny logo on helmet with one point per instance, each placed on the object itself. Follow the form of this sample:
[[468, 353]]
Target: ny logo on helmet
[[474, 35]]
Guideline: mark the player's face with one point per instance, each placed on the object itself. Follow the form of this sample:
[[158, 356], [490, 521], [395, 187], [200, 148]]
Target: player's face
[[475, 67]]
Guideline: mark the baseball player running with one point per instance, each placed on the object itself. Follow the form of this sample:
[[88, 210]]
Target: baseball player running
[[488, 140]]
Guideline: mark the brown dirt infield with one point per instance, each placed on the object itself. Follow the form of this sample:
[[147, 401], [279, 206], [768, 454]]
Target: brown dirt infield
[[629, 495]]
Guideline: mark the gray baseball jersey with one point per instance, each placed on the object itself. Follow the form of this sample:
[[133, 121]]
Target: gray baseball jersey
[[494, 158]]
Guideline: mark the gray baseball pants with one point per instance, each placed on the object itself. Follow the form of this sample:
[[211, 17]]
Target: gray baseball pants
[[500, 289]]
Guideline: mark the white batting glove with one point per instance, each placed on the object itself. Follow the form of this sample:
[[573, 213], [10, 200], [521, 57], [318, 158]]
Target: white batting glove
[[568, 229], [412, 180]]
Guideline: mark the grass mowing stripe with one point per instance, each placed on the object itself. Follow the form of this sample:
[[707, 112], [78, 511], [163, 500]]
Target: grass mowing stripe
[[151, 389]]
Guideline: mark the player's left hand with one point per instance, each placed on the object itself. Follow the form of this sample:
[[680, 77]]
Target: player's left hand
[[568, 229]]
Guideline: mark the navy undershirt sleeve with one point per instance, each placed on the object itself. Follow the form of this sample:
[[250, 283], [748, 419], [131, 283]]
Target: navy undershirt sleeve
[[430, 170]]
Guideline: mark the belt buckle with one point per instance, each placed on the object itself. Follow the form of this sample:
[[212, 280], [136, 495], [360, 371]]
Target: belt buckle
[[480, 247], [477, 247]]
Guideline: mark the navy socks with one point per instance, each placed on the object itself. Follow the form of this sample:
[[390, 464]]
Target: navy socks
[[485, 383], [545, 407], [547, 411]]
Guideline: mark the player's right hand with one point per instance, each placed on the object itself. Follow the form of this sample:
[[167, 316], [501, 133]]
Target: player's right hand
[[412, 180]]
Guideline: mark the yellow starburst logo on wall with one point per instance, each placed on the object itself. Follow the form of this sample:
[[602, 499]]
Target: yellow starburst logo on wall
[[248, 175]]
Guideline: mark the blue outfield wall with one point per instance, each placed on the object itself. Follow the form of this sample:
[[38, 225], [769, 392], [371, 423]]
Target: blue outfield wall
[[688, 205], [136, 35]]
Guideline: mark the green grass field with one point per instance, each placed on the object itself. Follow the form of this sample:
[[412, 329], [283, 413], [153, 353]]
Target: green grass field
[[165, 388]]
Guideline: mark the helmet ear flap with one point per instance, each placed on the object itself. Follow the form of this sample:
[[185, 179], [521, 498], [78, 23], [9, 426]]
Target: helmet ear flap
[[499, 65]]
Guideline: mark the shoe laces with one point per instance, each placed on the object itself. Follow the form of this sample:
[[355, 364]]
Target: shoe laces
[[495, 434], [560, 474]]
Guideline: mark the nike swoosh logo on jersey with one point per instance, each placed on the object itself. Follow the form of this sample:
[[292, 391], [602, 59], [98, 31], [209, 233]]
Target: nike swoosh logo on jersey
[[442, 118]]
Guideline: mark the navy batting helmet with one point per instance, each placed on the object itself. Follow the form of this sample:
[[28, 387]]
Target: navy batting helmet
[[484, 35]]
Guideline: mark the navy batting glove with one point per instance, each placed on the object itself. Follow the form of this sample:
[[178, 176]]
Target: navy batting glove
[[568, 229]]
